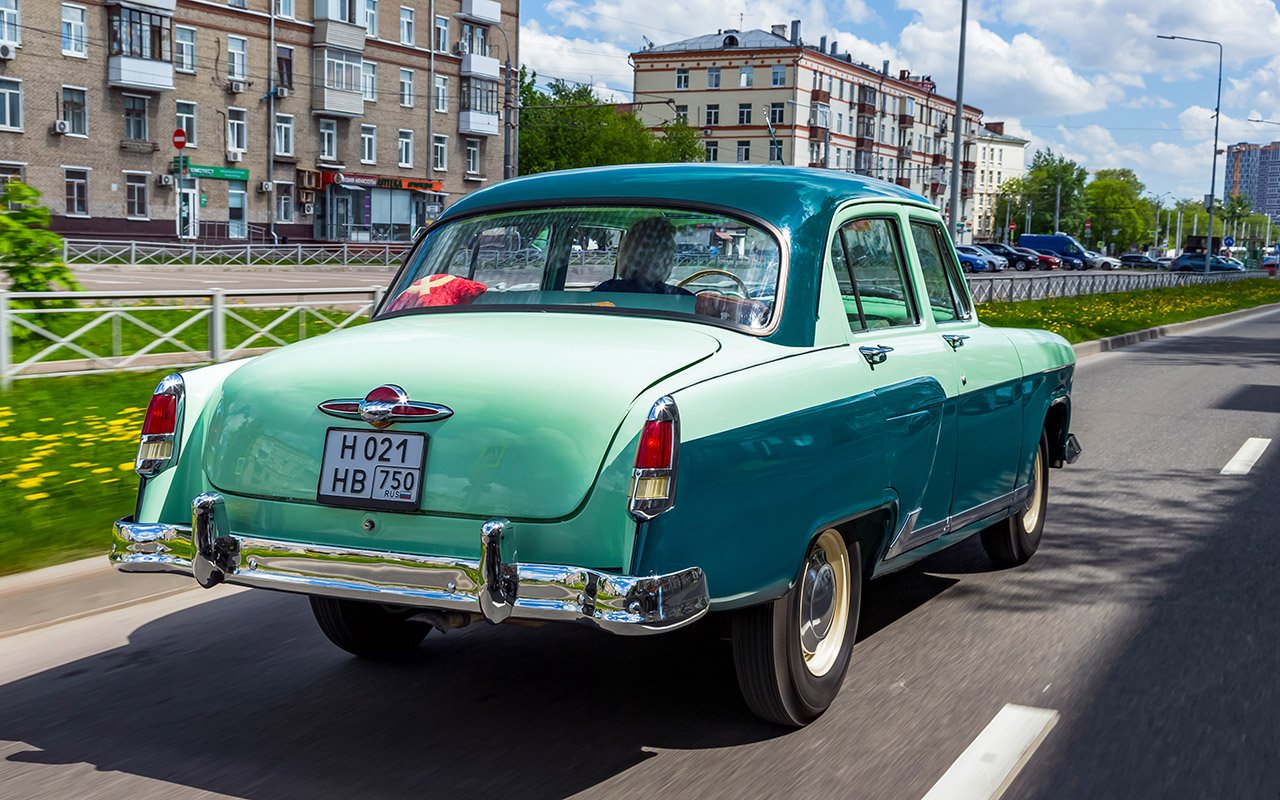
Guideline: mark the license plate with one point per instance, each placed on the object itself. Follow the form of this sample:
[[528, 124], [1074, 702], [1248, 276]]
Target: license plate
[[372, 469]]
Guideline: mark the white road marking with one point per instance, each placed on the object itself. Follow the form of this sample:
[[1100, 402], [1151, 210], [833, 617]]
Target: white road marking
[[987, 767], [1246, 457]]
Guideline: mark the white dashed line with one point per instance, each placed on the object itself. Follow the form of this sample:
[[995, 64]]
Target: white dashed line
[[1246, 457], [987, 767]]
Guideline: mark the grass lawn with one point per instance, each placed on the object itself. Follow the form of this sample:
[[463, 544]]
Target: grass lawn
[[1080, 319], [66, 464]]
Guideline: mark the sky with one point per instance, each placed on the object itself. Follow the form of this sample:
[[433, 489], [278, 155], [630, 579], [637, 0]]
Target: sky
[[1087, 78]]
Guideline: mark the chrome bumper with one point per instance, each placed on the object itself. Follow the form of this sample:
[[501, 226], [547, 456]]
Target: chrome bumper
[[495, 586]]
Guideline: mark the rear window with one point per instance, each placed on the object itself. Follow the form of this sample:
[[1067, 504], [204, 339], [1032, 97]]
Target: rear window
[[694, 263]]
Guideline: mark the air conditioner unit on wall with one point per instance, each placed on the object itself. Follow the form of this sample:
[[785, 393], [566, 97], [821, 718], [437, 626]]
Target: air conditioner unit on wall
[[306, 197], [264, 187], [164, 179], [235, 156], [7, 51], [308, 208], [59, 127], [281, 92], [235, 87]]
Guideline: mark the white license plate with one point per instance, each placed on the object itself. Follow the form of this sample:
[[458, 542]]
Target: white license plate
[[372, 469]]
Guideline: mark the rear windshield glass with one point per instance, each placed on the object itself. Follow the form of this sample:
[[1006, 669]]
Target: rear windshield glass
[[608, 260]]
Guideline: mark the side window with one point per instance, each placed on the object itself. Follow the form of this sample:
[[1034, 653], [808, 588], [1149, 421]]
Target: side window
[[941, 278], [869, 270]]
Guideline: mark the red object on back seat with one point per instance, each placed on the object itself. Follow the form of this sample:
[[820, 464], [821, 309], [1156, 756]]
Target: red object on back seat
[[438, 290]]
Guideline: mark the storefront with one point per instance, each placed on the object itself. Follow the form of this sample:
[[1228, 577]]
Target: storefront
[[192, 202], [375, 208]]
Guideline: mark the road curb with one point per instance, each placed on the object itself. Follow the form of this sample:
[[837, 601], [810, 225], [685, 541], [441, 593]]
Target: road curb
[[1099, 346]]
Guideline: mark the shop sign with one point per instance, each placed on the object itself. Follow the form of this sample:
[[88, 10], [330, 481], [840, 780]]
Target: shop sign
[[386, 182], [218, 173]]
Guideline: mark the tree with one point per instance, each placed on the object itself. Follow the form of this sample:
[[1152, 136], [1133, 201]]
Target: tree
[[1114, 203], [30, 253], [569, 126], [1055, 181]]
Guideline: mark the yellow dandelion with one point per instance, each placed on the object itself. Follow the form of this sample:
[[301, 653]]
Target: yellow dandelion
[[49, 474], [100, 470], [77, 480], [8, 476], [110, 480], [30, 483], [82, 464], [126, 465], [26, 467], [37, 496], [46, 419]]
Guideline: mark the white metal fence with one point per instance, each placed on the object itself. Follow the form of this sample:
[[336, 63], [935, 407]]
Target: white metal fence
[[109, 331], [195, 254], [1013, 289]]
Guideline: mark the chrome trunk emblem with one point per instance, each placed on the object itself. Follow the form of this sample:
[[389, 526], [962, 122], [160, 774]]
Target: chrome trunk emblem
[[383, 406]]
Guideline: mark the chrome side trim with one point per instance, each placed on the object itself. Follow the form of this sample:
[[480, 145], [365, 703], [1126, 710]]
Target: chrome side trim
[[621, 604], [909, 537]]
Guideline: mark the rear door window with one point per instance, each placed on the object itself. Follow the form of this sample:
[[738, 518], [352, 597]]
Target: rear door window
[[867, 255]]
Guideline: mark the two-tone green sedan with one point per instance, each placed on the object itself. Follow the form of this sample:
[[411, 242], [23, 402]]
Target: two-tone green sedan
[[624, 397]]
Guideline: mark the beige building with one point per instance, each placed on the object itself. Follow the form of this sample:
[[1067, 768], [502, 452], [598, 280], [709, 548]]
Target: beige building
[[1000, 157], [770, 97], [304, 119]]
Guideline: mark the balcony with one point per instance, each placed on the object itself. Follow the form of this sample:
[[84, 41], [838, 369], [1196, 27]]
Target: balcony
[[905, 151], [939, 160], [937, 188], [816, 165], [941, 131], [864, 142], [867, 109], [966, 193], [489, 11], [337, 102], [127, 72], [820, 96], [335, 33], [906, 120], [478, 123], [968, 166], [477, 66], [905, 182]]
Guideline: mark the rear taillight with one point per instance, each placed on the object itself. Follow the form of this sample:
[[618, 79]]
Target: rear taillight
[[653, 481], [158, 447]]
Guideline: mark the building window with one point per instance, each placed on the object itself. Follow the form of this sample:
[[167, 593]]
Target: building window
[[744, 151], [406, 25], [77, 186], [73, 31], [342, 70], [479, 95], [138, 34], [368, 144], [284, 202], [135, 117], [746, 75], [329, 139], [369, 81], [371, 18], [442, 34], [9, 24], [473, 156], [237, 129], [184, 56], [284, 8], [744, 113], [713, 115], [284, 134], [284, 66], [713, 77], [238, 3], [75, 111], [775, 151], [777, 112], [406, 88], [135, 196], [475, 39], [778, 75], [405, 148], [682, 79], [186, 120], [682, 114], [237, 58], [442, 93], [440, 152], [713, 150]]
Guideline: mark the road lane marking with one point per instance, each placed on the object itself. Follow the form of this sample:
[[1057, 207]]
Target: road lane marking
[[987, 767], [1246, 457]]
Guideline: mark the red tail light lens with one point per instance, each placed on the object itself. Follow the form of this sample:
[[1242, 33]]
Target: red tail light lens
[[162, 415], [656, 445]]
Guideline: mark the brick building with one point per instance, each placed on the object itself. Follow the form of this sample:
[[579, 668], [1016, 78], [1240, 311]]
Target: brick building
[[770, 97], [310, 119]]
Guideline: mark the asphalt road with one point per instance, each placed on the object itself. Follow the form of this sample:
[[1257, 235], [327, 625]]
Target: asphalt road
[[1149, 621]]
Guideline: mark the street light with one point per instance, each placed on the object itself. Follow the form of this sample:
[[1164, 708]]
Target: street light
[[954, 221], [1217, 116], [1159, 201], [508, 104]]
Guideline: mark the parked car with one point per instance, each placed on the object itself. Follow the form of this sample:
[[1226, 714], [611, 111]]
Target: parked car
[[1100, 261], [1065, 247], [1194, 262], [994, 262], [973, 263], [1140, 261], [1018, 260], [1269, 264], [1043, 260], [1165, 260], [484, 453]]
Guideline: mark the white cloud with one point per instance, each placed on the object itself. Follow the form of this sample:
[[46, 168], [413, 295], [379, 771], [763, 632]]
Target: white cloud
[[601, 64]]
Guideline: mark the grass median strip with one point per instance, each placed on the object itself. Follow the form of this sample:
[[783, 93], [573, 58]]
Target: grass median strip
[[1097, 316]]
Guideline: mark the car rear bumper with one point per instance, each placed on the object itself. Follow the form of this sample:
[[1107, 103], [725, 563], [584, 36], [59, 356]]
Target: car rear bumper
[[494, 586]]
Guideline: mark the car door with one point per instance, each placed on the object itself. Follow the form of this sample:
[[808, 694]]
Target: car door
[[988, 404], [910, 368]]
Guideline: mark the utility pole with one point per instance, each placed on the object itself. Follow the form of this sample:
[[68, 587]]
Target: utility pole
[[1027, 229], [1007, 208], [1177, 244], [1057, 208], [1217, 117], [956, 169]]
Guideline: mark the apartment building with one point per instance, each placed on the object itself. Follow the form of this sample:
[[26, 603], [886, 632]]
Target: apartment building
[[1253, 171], [770, 97], [339, 120], [999, 158]]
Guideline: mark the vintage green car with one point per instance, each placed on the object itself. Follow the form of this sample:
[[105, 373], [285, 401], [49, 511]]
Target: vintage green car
[[624, 397]]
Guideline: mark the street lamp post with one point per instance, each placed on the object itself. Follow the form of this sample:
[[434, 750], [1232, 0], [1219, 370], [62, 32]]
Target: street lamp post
[[1217, 116], [508, 106], [956, 213]]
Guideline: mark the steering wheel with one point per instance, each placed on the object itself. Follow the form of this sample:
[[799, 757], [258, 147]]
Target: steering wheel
[[702, 273]]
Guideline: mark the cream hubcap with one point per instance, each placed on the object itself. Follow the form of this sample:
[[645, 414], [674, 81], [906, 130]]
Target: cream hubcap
[[824, 603], [1031, 517]]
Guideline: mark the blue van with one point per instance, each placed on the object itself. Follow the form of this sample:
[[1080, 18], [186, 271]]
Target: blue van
[[1072, 252]]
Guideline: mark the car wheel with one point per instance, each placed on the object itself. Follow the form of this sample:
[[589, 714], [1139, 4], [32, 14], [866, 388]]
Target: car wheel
[[1021, 266], [1013, 541], [369, 630], [791, 654]]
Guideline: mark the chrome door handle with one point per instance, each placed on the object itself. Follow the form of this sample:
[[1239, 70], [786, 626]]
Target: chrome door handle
[[875, 354], [956, 340]]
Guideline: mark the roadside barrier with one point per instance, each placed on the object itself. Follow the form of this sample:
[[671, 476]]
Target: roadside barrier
[[1073, 284]]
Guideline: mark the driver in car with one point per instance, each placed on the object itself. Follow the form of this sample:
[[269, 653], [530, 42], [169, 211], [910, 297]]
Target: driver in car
[[646, 257]]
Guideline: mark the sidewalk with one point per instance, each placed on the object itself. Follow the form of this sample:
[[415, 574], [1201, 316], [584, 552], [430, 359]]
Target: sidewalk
[[68, 591]]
